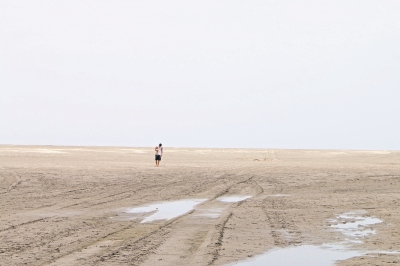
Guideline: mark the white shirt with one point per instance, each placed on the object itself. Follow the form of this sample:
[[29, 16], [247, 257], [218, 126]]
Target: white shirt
[[159, 150]]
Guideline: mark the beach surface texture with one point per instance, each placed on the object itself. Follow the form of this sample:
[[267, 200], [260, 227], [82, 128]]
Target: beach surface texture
[[112, 206]]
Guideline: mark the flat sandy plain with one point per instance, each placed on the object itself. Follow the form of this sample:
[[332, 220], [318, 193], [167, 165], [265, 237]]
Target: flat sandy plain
[[67, 205]]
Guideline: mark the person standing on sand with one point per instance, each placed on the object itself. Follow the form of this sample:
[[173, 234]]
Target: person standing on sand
[[159, 153]]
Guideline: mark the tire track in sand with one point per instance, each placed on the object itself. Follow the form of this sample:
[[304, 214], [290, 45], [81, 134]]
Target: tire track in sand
[[196, 239], [141, 243]]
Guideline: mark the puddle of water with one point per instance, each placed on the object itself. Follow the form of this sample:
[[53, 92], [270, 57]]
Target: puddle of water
[[233, 198], [166, 210], [351, 224], [384, 252], [302, 256]]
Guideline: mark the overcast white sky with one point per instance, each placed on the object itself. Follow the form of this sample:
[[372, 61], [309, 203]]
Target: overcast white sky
[[252, 74]]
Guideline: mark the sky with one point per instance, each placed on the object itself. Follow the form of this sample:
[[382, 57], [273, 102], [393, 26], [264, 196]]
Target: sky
[[290, 74]]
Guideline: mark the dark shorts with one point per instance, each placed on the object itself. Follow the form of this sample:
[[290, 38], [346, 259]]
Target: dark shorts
[[158, 157]]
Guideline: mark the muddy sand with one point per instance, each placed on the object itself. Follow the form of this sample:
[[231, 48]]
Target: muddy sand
[[111, 206]]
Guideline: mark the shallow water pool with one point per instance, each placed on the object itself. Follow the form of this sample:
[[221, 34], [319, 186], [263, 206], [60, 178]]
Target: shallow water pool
[[306, 255], [166, 210]]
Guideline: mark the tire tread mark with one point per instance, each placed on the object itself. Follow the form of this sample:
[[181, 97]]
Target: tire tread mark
[[218, 243]]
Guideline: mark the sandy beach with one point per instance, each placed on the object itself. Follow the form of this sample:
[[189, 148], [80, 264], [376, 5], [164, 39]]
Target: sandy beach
[[111, 206]]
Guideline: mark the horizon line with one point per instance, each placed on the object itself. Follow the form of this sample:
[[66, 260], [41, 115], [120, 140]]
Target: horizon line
[[186, 147]]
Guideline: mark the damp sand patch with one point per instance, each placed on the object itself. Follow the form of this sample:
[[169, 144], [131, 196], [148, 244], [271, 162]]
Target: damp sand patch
[[231, 199], [164, 210], [209, 213]]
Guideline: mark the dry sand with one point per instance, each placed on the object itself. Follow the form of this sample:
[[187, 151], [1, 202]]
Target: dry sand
[[68, 205]]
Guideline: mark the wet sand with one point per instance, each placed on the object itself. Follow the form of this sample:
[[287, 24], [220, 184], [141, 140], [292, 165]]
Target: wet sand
[[79, 205]]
